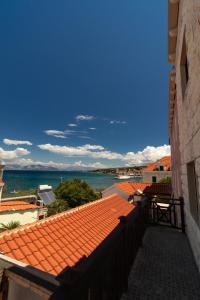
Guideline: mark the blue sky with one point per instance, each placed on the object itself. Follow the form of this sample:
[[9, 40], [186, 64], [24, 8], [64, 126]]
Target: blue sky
[[103, 60]]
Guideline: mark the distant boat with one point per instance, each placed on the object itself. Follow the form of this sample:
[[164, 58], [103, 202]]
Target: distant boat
[[14, 192], [122, 177]]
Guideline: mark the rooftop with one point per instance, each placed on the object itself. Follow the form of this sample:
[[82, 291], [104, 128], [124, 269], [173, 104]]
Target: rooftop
[[62, 240], [131, 187], [166, 161], [16, 206]]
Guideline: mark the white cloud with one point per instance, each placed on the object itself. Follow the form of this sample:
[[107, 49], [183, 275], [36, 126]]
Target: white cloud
[[16, 142], [150, 153], [23, 163], [72, 125], [92, 128], [67, 150], [10, 154], [85, 137], [117, 122], [84, 118], [55, 133], [93, 147], [96, 165]]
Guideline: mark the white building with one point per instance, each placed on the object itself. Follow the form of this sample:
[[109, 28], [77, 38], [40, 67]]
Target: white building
[[18, 210]]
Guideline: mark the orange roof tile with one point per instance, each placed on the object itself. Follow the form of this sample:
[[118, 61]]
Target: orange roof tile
[[1, 182], [166, 161], [16, 205], [131, 187], [61, 240]]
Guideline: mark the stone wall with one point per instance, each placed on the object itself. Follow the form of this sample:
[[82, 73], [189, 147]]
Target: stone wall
[[188, 104], [175, 158]]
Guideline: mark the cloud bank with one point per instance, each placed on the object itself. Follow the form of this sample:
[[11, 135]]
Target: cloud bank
[[148, 154], [11, 154]]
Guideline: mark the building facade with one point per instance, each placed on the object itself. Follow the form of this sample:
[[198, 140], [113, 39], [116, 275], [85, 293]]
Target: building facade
[[18, 211], [184, 110], [155, 172]]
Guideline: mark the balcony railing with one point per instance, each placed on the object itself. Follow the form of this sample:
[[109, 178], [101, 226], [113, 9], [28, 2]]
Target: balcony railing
[[165, 211]]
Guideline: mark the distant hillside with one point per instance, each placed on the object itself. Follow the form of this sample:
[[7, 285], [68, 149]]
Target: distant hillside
[[134, 170]]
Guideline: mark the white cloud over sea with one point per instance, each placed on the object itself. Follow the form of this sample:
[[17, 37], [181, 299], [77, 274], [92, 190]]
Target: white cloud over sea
[[27, 163], [11, 154], [150, 153]]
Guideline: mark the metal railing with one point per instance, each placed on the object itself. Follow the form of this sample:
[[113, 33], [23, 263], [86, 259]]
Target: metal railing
[[166, 211]]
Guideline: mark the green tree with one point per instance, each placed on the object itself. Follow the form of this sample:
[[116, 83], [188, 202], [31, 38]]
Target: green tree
[[57, 206], [9, 226], [166, 179], [75, 192]]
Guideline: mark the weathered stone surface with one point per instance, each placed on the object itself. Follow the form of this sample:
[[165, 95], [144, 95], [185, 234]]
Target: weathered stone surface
[[188, 107]]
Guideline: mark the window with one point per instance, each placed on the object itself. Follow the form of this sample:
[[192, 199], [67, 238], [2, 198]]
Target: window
[[184, 68], [161, 168], [193, 191], [154, 179]]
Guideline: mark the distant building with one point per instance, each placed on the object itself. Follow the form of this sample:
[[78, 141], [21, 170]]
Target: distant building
[[154, 172], [130, 190], [20, 211], [1, 178], [184, 111]]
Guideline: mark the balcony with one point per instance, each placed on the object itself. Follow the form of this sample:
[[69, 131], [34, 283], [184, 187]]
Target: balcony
[[164, 268], [140, 259]]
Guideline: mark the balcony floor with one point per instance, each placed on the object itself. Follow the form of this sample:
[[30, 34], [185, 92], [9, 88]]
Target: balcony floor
[[164, 268]]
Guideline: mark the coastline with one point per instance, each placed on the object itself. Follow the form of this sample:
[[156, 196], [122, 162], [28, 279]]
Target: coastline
[[20, 180]]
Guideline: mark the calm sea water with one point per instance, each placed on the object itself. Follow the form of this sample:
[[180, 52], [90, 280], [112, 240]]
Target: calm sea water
[[25, 180]]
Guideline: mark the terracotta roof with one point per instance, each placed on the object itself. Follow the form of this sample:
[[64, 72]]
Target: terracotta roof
[[131, 187], [16, 205], [62, 240], [166, 161], [1, 182]]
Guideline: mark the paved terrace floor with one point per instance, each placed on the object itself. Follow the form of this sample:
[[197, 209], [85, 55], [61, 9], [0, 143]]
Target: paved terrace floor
[[164, 268]]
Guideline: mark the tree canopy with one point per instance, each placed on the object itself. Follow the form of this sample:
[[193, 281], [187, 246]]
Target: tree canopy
[[166, 179], [76, 192], [57, 206]]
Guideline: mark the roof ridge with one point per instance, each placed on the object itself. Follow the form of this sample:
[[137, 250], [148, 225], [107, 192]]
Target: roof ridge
[[56, 216]]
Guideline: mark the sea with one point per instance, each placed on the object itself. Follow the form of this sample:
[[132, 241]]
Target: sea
[[26, 180]]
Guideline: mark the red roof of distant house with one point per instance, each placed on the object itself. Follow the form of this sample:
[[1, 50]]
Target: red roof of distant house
[[62, 240], [1, 182], [166, 161], [16, 206], [131, 187]]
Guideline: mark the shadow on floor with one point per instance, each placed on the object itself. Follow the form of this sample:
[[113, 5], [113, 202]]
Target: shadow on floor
[[164, 268]]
